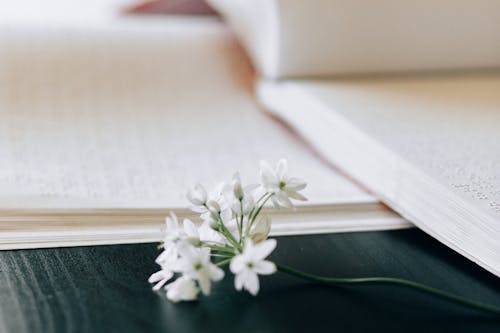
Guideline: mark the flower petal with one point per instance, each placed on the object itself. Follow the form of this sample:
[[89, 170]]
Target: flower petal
[[172, 222], [155, 277], [209, 235], [204, 282], [237, 264], [297, 196], [263, 249], [216, 273], [182, 289], [251, 283], [188, 252], [197, 196], [275, 202], [264, 267], [198, 209], [238, 281], [205, 255], [281, 168], [296, 184], [161, 278], [226, 215], [267, 175], [190, 229], [168, 256], [160, 284], [283, 200]]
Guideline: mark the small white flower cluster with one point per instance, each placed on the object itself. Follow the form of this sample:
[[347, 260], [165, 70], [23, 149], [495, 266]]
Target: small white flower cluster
[[232, 232]]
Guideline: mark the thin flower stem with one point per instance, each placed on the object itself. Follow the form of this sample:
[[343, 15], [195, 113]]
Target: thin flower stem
[[221, 249], [228, 235], [222, 227], [225, 231], [395, 281], [240, 225], [221, 255], [256, 205], [224, 262], [262, 197], [214, 247], [252, 218]]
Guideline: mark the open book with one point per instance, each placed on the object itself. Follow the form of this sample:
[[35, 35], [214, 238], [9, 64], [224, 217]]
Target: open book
[[427, 144], [106, 124]]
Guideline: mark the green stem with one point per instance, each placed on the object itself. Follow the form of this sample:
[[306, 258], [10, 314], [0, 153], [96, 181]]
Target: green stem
[[226, 249], [221, 255], [395, 281], [223, 230], [257, 203], [251, 217], [222, 227], [228, 235], [240, 225], [224, 262]]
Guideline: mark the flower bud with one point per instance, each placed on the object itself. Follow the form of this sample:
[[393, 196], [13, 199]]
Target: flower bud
[[261, 229], [197, 196], [213, 206], [237, 190]]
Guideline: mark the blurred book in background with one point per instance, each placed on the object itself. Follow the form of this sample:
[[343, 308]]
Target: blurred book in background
[[171, 7]]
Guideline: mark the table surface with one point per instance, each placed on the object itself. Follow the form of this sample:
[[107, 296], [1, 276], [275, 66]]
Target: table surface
[[105, 289]]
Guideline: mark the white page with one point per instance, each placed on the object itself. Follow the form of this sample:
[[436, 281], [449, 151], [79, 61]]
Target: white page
[[132, 112], [427, 145]]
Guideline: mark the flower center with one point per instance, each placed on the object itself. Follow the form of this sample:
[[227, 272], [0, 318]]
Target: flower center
[[198, 266], [250, 264], [282, 184]]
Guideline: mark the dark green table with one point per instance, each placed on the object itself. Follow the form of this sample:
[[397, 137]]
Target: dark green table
[[104, 289]]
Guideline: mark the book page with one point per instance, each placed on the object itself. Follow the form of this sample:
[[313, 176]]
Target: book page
[[426, 144], [445, 125], [132, 113]]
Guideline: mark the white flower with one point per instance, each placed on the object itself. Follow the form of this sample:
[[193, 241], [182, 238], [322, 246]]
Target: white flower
[[203, 233], [168, 257], [213, 214], [182, 289], [278, 182], [168, 261], [209, 235], [203, 203], [260, 230], [197, 196], [251, 262], [238, 197], [213, 207], [189, 232], [175, 232], [160, 278], [195, 264], [237, 189]]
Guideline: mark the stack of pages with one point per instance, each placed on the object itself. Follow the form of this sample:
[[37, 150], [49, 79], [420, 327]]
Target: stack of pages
[[107, 121], [428, 144]]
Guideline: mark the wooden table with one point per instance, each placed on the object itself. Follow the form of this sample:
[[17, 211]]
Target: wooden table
[[105, 289]]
